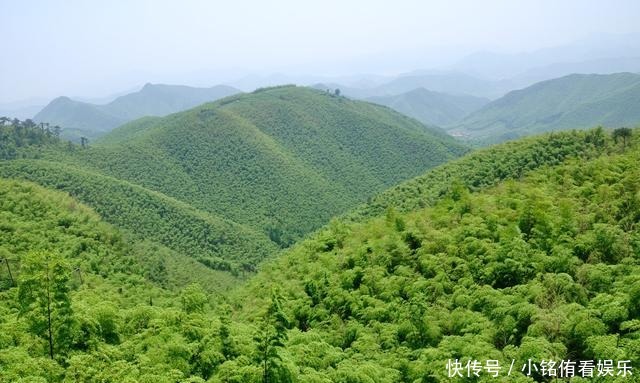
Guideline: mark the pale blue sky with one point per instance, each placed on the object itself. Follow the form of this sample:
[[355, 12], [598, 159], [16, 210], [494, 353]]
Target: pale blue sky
[[93, 48]]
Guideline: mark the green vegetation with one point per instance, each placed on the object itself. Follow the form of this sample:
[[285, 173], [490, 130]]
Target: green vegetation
[[571, 102], [228, 183], [78, 298], [213, 241], [543, 267], [85, 119], [282, 160], [432, 108], [486, 167], [16, 136]]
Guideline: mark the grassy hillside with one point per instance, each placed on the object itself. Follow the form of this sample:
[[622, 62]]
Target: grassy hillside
[[91, 120], [575, 101], [281, 160], [432, 108]]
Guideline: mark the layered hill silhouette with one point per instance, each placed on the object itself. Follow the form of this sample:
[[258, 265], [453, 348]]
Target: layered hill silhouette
[[282, 160], [81, 118], [432, 108], [449, 82], [570, 102], [229, 182]]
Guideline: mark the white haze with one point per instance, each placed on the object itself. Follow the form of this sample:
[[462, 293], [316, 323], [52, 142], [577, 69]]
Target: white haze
[[93, 49]]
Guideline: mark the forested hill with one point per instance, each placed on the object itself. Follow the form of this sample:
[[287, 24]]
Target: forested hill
[[76, 292], [280, 160], [86, 119], [230, 182], [541, 268], [570, 102]]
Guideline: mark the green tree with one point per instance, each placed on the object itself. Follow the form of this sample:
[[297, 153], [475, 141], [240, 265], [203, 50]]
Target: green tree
[[270, 340], [193, 299], [622, 133], [43, 294]]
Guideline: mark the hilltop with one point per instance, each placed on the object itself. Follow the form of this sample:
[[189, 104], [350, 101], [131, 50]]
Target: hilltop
[[257, 158]]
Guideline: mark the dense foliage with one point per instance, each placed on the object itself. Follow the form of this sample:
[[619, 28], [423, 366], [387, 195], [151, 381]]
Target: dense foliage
[[486, 167], [570, 102], [215, 242], [543, 267], [282, 161], [73, 288]]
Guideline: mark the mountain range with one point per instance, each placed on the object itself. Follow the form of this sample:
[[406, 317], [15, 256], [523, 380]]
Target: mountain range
[[91, 120], [571, 102], [432, 108]]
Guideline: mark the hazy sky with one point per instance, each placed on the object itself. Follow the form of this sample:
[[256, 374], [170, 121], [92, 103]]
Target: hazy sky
[[91, 48]]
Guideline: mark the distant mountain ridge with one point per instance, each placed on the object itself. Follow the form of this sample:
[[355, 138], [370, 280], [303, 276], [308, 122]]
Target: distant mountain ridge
[[570, 102], [450, 82], [92, 120], [432, 108]]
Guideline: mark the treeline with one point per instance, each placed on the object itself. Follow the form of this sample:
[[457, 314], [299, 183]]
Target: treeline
[[15, 134]]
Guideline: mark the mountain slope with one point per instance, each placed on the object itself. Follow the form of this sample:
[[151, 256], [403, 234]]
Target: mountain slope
[[148, 215], [544, 267], [541, 268], [483, 168], [256, 159], [100, 288], [160, 100], [229, 182], [432, 108], [575, 101], [78, 118]]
